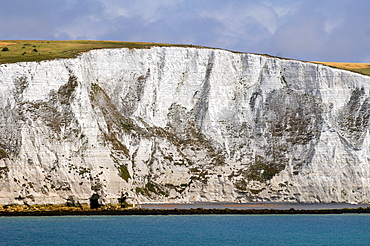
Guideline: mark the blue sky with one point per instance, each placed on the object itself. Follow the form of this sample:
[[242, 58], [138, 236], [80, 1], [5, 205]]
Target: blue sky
[[320, 30]]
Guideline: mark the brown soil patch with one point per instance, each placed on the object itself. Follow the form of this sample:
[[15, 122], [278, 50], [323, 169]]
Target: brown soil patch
[[6, 43], [346, 65]]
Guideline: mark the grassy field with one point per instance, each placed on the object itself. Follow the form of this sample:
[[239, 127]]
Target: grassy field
[[33, 50], [37, 50], [362, 68]]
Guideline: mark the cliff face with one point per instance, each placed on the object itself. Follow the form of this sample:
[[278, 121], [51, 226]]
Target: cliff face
[[182, 125]]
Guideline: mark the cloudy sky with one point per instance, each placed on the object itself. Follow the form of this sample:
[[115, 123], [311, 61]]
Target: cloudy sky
[[321, 30]]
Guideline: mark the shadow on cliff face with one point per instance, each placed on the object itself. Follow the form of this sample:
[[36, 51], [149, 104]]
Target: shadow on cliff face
[[11, 117], [94, 201], [289, 125], [56, 112], [353, 120]]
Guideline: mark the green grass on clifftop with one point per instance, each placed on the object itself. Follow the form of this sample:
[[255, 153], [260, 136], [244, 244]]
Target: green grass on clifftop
[[12, 51]]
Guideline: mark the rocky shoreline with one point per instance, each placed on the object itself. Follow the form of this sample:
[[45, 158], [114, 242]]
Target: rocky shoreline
[[173, 211]]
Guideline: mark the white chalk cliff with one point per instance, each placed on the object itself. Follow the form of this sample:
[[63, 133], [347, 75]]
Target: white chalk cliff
[[170, 124]]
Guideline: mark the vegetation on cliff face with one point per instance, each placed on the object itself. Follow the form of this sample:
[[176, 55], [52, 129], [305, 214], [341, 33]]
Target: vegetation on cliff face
[[3, 154]]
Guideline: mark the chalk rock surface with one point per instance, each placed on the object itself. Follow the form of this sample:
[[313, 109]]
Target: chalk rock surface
[[170, 124]]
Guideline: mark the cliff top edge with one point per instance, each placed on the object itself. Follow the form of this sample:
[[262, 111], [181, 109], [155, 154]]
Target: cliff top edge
[[12, 51]]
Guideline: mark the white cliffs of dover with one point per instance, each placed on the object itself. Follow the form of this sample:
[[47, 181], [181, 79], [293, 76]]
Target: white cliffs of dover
[[181, 125]]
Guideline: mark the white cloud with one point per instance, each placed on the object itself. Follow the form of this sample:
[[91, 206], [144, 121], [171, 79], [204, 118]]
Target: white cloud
[[331, 24], [148, 10]]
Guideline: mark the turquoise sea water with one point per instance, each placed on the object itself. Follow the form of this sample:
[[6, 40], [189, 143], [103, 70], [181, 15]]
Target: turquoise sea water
[[187, 230]]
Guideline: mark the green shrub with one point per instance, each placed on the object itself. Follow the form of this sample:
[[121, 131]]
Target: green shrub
[[123, 172], [3, 154]]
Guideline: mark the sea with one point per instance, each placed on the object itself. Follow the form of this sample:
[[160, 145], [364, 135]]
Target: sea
[[342, 229]]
